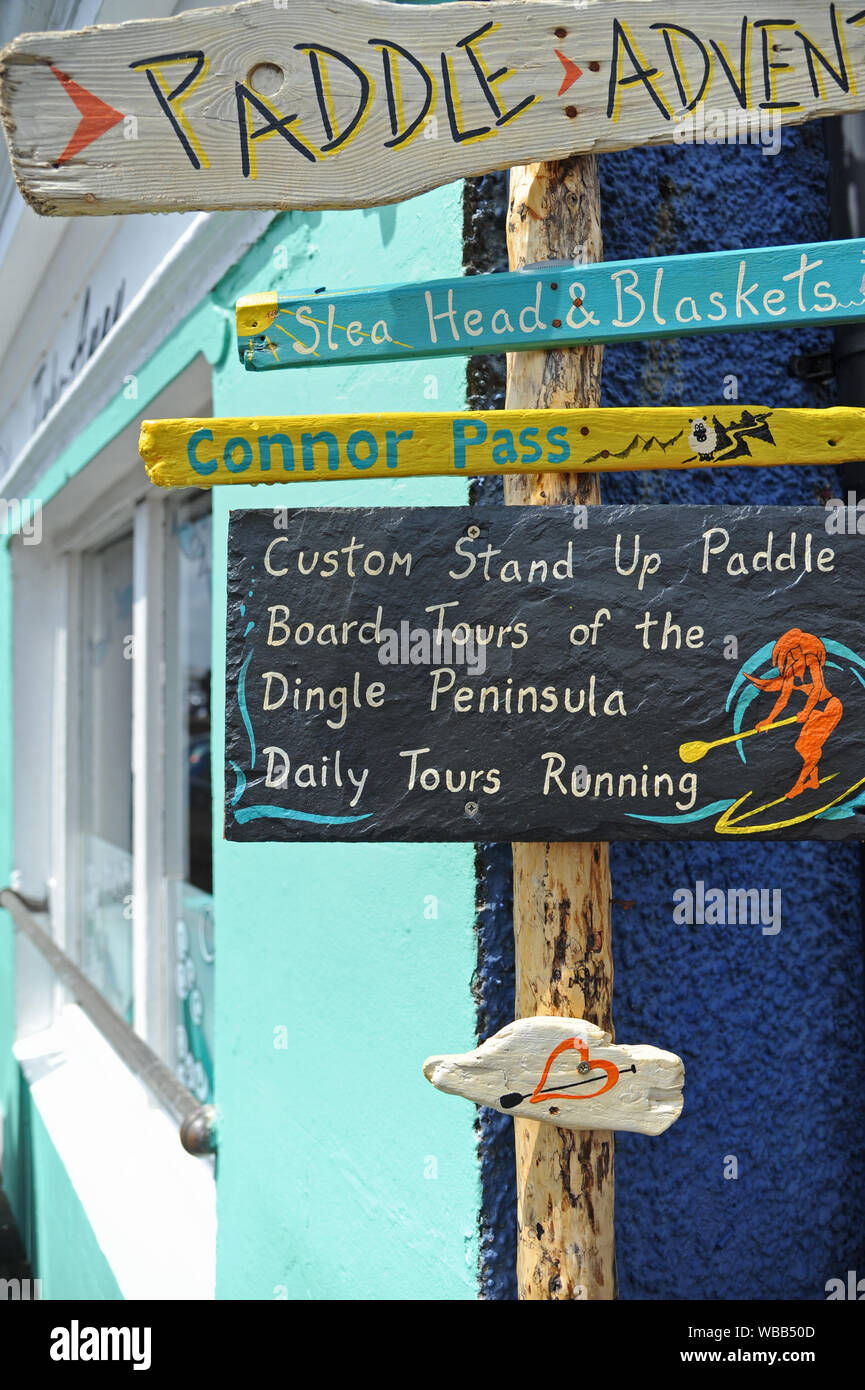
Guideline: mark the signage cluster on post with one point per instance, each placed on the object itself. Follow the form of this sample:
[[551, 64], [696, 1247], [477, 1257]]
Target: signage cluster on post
[[550, 675]]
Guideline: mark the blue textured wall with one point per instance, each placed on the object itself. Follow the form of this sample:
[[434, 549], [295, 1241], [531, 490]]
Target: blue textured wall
[[770, 1027]]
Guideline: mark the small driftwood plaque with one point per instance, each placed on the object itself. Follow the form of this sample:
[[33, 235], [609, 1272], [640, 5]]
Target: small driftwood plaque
[[566, 1072]]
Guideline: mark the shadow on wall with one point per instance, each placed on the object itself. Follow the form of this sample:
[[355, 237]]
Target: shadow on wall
[[18, 1159]]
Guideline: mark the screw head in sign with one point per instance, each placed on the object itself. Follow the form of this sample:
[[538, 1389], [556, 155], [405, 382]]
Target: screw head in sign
[[471, 808], [584, 1067], [473, 532]]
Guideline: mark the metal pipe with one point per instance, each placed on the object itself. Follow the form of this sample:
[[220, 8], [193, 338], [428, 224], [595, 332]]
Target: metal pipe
[[197, 1122]]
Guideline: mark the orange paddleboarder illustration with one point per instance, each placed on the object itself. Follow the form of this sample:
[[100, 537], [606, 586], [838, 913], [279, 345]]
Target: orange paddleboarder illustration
[[800, 659]]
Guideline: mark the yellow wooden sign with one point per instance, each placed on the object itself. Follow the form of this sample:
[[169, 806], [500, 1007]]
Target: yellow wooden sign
[[307, 448]]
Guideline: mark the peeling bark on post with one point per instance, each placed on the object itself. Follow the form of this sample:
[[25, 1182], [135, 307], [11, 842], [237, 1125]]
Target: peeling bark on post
[[564, 962]]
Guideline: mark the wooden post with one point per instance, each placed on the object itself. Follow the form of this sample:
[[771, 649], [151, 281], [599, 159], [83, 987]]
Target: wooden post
[[564, 963]]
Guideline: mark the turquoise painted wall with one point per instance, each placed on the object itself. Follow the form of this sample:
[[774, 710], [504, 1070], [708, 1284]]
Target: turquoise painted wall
[[63, 1250], [342, 1174], [326, 1188]]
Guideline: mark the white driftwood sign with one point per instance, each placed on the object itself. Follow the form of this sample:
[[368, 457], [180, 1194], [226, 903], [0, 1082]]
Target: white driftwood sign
[[566, 1072], [356, 103]]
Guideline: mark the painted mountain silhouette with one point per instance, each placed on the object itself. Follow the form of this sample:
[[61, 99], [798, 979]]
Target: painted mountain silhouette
[[731, 440], [639, 441]]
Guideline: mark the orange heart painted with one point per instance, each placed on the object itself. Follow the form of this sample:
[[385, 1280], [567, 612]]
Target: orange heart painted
[[610, 1068]]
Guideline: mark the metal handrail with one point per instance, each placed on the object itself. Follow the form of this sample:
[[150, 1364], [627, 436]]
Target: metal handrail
[[197, 1122]]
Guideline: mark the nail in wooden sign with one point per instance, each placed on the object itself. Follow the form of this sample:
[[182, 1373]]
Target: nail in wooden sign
[[566, 1072], [554, 673], [306, 448], [357, 102], [664, 297]]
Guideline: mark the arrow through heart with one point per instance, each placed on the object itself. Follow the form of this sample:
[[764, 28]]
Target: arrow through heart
[[96, 116]]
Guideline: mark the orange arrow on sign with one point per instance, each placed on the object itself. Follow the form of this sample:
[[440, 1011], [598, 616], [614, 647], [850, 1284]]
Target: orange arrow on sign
[[96, 116], [572, 72]]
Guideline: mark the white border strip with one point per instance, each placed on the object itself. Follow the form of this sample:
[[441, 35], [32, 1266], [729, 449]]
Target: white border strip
[[152, 1207]]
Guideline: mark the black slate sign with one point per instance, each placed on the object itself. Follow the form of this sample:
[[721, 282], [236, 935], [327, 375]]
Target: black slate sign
[[545, 673]]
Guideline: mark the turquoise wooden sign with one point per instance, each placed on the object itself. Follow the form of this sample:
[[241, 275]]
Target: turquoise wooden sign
[[558, 305]]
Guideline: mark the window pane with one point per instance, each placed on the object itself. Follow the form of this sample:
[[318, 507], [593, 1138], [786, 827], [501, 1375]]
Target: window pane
[[193, 916], [106, 781], [189, 853]]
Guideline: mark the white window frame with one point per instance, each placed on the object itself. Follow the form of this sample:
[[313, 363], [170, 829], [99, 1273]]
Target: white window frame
[[85, 516], [152, 969], [151, 1206]]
